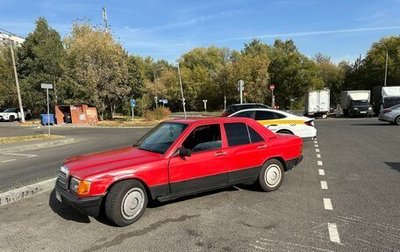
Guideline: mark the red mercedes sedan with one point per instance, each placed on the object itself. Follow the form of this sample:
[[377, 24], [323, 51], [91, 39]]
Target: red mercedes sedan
[[174, 159]]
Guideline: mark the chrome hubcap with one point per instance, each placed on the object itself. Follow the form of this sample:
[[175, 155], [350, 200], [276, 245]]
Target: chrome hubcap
[[272, 175], [132, 203]]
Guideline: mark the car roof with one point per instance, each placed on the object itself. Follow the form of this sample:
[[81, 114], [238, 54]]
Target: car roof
[[201, 120], [263, 109]]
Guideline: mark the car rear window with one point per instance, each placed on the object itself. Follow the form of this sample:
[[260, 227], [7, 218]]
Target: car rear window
[[241, 133], [247, 114]]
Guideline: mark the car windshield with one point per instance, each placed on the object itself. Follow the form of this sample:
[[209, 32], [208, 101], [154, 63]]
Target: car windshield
[[10, 110], [360, 102], [161, 137]]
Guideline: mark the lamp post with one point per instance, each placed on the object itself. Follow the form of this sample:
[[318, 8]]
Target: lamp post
[[154, 78], [183, 98]]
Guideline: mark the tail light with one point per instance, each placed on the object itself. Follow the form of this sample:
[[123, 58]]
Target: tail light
[[309, 123], [386, 111]]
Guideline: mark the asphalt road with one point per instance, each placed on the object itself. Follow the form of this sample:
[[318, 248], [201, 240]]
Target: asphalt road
[[344, 196], [26, 167]]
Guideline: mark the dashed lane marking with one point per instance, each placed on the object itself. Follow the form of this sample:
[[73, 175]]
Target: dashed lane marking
[[19, 154], [317, 150], [315, 141], [328, 204], [9, 160], [316, 145], [318, 155], [321, 172], [333, 233], [324, 185], [319, 163]]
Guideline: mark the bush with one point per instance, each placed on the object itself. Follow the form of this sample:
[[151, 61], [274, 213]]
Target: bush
[[157, 114]]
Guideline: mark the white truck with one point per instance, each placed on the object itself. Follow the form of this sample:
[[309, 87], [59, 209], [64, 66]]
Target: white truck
[[385, 97], [318, 103], [356, 103]]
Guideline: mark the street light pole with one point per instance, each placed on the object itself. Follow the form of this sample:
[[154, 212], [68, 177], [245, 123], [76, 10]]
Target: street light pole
[[183, 98], [21, 109]]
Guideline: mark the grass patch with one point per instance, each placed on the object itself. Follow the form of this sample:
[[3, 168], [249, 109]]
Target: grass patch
[[127, 122], [17, 139]]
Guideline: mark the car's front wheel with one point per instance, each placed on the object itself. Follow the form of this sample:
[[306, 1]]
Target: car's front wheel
[[11, 118], [271, 175], [397, 120], [126, 202]]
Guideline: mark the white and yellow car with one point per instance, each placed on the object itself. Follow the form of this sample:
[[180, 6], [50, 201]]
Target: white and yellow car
[[280, 121]]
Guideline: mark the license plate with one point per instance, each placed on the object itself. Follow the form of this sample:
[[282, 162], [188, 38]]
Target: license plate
[[363, 112], [58, 196]]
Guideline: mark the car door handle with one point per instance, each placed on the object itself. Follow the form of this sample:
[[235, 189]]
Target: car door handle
[[272, 125], [220, 153], [264, 146]]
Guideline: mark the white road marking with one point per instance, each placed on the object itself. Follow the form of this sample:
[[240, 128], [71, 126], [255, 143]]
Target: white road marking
[[324, 185], [19, 154], [328, 204], [9, 160], [319, 162], [316, 146], [318, 155], [333, 233], [316, 142], [317, 150], [321, 172]]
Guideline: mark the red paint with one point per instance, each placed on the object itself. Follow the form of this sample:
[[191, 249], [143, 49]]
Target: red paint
[[104, 168]]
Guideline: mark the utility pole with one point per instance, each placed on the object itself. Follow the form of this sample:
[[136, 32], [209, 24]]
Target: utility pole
[[183, 98], [105, 18], [17, 84], [386, 64]]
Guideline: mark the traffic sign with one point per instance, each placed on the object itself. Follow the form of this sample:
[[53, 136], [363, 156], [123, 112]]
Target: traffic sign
[[133, 103], [46, 86], [272, 87]]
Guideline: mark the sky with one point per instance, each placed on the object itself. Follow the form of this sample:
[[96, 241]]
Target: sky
[[342, 30]]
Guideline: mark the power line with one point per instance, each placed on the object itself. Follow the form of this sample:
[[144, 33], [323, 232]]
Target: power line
[[10, 33]]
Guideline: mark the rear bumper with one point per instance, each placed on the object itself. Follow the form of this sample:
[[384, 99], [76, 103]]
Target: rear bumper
[[88, 205], [290, 164]]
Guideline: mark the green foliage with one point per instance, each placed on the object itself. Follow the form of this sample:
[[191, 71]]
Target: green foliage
[[8, 89]]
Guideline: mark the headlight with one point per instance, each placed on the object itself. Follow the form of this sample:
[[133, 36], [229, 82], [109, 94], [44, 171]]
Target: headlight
[[370, 108], [355, 108], [80, 187]]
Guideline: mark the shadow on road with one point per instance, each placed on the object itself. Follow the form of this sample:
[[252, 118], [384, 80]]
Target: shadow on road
[[371, 124], [65, 211], [394, 165]]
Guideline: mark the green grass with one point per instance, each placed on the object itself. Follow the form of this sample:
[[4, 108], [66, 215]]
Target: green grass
[[17, 139]]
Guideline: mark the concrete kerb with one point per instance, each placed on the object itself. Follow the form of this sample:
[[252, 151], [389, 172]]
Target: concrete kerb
[[36, 146], [26, 191]]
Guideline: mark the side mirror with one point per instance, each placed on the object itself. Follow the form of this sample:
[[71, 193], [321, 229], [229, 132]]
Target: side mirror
[[184, 152]]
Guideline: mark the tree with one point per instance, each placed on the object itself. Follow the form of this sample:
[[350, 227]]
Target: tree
[[8, 90], [96, 70], [39, 61]]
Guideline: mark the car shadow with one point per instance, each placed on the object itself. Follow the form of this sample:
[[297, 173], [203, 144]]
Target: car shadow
[[394, 165], [65, 211]]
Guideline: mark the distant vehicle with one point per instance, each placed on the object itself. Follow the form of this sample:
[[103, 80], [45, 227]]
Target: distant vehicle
[[280, 121], [176, 158], [384, 97], [391, 115], [2, 109], [356, 103], [317, 103], [236, 107], [12, 114]]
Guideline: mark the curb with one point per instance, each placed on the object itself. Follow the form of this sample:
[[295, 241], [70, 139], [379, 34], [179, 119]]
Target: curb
[[26, 191], [54, 143]]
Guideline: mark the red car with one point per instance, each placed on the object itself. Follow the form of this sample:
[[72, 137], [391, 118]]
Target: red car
[[174, 159]]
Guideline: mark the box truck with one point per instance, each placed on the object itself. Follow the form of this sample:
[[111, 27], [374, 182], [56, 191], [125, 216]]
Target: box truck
[[317, 103], [356, 103], [385, 97]]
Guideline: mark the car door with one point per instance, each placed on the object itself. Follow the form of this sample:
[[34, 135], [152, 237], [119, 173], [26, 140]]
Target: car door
[[268, 119], [206, 167], [244, 157]]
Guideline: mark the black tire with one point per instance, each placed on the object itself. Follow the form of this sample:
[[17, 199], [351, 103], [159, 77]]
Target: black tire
[[11, 118], [28, 117], [274, 169], [120, 195], [397, 120], [285, 132]]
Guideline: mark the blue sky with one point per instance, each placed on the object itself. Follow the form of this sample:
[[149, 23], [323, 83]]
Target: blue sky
[[340, 29]]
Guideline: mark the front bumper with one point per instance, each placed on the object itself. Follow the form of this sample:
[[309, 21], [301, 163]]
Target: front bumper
[[89, 205], [363, 112], [293, 162]]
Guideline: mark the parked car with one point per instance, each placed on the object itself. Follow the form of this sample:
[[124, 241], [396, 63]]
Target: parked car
[[174, 159], [391, 115], [281, 122], [2, 109], [12, 114], [236, 107]]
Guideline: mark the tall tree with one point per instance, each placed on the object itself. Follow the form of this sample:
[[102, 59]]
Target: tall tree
[[8, 90], [39, 61]]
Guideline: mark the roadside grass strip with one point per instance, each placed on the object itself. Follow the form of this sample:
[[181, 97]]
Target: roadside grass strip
[[26, 191], [16, 139]]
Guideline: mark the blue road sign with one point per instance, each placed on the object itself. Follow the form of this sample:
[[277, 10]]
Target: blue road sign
[[133, 102]]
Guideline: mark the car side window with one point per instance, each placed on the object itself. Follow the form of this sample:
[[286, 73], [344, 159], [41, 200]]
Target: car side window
[[264, 115], [254, 136], [247, 114], [203, 138], [237, 133], [279, 116]]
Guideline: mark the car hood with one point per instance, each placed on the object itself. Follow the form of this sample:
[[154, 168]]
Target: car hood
[[107, 162]]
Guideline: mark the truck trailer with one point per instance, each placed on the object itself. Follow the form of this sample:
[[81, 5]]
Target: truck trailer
[[317, 103], [384, 97], [356, 103]]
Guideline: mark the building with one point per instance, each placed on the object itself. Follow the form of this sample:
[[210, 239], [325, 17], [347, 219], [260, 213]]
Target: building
[[6, 37]]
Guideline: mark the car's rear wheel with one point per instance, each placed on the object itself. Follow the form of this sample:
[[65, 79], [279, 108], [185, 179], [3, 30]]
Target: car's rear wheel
[[271, 175], [126, 202], [397, 120], [285, 132], [11, 118]]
